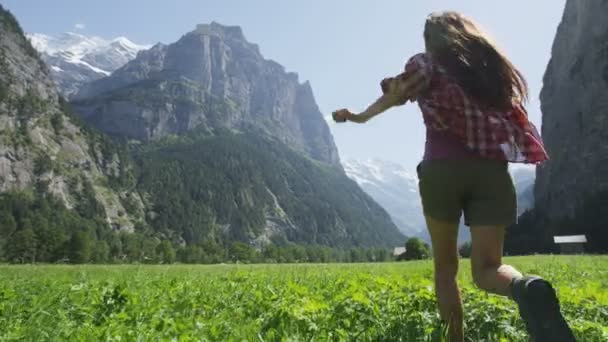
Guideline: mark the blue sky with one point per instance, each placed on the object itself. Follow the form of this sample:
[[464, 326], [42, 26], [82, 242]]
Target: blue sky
[[343, 47]]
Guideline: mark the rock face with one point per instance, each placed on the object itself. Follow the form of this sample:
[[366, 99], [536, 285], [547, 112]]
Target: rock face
[[41, 147], [575, 111], [211, 78], [75, 59]]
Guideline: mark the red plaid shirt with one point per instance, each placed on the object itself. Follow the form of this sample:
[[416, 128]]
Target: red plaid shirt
[[503, 135]]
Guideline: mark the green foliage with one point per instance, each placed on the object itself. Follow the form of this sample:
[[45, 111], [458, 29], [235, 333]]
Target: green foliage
[[130, 203], [465, 249], [42, 164], [87, 204], [57, 122], [21, 247], [191, 254], [4, 91], [165, 252], [240, 252], [100, 252], [39, 228], [198, 184], [416, 249], [6, 77], [10, 24], [30, 105], [363, 302], [79, 248]]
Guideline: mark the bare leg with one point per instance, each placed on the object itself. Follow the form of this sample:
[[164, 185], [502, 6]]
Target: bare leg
[[489, 273], [445, 257], [538, 304]]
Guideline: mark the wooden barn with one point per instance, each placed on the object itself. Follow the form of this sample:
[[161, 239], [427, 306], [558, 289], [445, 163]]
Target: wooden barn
[[571, 244]]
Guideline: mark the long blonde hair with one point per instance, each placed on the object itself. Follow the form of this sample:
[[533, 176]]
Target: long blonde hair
[[469, 56]]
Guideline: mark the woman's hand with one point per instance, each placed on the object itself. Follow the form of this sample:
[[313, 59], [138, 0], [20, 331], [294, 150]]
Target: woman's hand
[[342, 115]]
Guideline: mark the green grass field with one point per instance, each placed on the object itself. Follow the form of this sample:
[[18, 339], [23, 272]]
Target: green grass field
[[363, 302]]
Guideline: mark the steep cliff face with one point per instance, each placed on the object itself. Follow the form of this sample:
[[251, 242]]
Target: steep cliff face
[[211, 78], [575, 111], [42, 150]]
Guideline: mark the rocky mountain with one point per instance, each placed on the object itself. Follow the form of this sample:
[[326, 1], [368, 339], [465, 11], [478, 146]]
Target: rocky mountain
[[571, 189], [396, 189], [76, 59], [574, 102], [211, 78], [42, 148], [208, 194]]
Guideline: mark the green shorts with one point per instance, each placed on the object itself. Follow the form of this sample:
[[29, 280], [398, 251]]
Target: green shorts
[[481, 189]]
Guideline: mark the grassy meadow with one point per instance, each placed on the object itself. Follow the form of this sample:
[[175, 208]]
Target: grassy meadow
[[288, 302]]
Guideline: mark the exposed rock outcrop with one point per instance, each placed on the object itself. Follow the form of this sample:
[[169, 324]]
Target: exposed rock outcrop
[[575, 111], [210, 78], [41, 148]]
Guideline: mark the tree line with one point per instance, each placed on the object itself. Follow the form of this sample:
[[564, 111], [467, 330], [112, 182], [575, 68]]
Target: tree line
[[36, 228]]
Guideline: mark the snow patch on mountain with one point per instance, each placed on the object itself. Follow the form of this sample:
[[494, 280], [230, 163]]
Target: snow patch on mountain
[[394, 188], [76, 59]]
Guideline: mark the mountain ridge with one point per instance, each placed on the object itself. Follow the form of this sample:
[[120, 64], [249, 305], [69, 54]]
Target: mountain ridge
[[70, 192], [209, 65]]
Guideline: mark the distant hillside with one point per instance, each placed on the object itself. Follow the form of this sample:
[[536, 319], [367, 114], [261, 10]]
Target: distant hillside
[[250, 188]]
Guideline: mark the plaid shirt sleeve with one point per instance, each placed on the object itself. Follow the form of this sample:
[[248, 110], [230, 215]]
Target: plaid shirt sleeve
[[409, 84]]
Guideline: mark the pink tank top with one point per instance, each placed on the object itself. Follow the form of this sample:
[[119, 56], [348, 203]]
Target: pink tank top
[[445, 145]]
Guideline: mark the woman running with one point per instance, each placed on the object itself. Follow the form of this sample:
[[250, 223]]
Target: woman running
[[472, 100]]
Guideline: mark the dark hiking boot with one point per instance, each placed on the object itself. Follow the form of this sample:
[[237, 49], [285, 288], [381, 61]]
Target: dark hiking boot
[[540, 310]]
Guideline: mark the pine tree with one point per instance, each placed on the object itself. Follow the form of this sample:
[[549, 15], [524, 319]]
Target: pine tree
[[165, 252], [21, 246], [79, 248]]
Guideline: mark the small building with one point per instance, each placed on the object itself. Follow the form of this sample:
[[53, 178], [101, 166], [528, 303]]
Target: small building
[[399, 253], [571, 244]]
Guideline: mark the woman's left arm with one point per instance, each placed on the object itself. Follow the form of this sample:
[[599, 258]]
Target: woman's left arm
[[383, 103], [397, 91]]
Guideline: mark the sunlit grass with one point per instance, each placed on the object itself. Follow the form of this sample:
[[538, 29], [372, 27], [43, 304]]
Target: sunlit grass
[[366, 302]]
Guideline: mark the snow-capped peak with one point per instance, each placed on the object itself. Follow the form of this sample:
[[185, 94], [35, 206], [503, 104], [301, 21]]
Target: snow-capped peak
[[75, 59], [394, 187], [127, 44], [377, 170], [79, 45]]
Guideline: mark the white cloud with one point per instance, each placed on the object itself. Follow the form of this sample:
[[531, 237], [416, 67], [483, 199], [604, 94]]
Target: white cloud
[[79, 26]]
